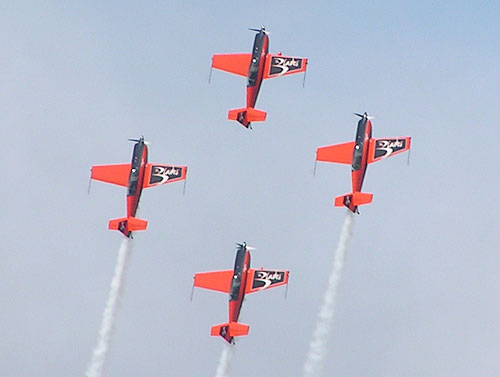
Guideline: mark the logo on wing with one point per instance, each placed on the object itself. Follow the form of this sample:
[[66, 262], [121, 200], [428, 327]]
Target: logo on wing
[[264, 279], [281, 65], [161, 174], [386, 147]]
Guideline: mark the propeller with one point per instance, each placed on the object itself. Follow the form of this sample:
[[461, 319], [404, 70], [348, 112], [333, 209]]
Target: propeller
[[365, 115], [262, 29], [141, 139], [244, 244]]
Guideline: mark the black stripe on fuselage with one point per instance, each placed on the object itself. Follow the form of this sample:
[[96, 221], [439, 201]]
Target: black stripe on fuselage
[[234, 294], [253, 70], [135, 168], [357, 155]]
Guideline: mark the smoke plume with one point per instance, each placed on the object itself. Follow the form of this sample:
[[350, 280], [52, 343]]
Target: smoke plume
[[224, 366], [313, 366], [109, 315]]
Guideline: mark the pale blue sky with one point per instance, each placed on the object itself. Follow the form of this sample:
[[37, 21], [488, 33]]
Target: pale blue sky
[[420, 294]]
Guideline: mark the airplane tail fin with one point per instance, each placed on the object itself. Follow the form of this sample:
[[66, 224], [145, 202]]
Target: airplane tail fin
[[229, 330], [128, 224], [353, 200], [246, 115]]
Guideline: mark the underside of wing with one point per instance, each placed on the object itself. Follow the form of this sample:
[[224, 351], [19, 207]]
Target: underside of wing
[[279, 65], [381, 148], [115, 174], [261, 279], [340, 153], [232, 63], [214, 280], [158, 174]]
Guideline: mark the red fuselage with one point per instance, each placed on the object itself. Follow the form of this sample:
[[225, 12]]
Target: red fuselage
[[136, 178], [238, 284], [360, 156], [256, 68]]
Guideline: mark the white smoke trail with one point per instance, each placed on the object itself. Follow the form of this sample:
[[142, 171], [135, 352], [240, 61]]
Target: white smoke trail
[[108, 316], [224, 366], [313, 366]]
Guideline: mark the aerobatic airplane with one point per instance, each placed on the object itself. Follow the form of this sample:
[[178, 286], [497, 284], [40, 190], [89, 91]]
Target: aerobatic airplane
[[359, 153], [135, 176], [255, 67], [238, 282]]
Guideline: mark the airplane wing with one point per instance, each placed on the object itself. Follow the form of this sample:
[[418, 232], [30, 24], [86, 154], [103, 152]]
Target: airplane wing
[[158, 174], [386, 147], [279, 65], [258, 280], [115, 174], [232, 63], [341, 153], [214, 280]]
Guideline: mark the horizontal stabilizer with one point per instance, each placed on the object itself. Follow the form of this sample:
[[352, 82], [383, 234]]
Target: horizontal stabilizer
[[230, 329], [360, 198], [136, 224], [353, 200], [254, 115], [341, 200], [117, 224], [127, 225], [340, 153], [247, 115]]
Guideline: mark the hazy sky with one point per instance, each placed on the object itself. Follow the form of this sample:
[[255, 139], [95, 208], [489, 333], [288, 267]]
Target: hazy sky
[[421, 290]]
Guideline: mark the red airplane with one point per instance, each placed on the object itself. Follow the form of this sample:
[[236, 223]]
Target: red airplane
[[255, 67], [135, 176], [359, 153], [238, 282]]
